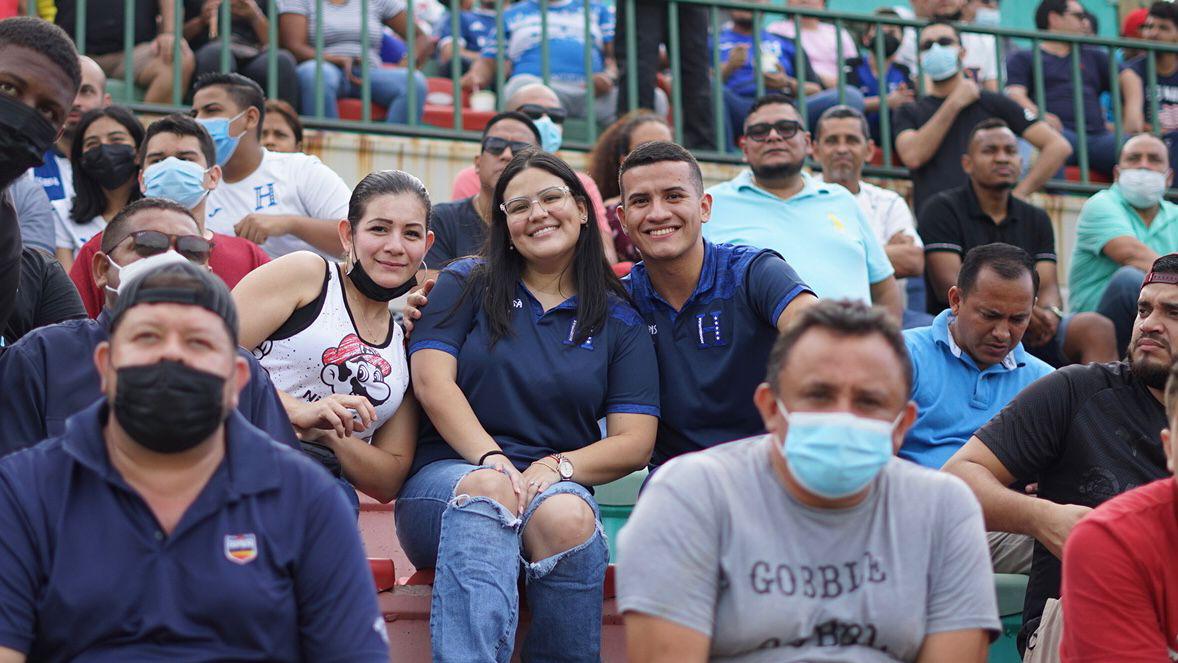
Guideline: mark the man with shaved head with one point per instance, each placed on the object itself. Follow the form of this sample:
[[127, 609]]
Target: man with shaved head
[[1121, 231]]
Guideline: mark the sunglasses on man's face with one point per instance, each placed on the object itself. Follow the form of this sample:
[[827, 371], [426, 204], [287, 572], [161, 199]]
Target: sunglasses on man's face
[[495, 145], [147, 243], [785, 128], [943, 41], [536, 111]]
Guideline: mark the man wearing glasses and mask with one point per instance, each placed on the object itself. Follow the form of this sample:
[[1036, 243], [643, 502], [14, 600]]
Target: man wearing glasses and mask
[[933, 132], [818, 228], [48, 376]]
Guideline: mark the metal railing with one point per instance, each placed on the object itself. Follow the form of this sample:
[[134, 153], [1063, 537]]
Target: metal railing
[[842, 21]]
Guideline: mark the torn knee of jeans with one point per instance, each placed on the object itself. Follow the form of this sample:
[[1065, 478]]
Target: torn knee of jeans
[[484, 506], [543, 567]]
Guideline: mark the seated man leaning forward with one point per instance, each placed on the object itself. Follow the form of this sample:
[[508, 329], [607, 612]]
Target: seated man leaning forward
[[811, 542], [212, 541], [1084, 433]]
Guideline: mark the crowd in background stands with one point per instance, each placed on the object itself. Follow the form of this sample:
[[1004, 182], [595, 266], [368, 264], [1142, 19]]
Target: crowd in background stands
[[853, 409]]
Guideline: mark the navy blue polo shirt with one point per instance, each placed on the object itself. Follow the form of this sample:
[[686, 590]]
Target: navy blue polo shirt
[[536, 391], [712, 353], [49, 375], [860, 75], [266, 564]]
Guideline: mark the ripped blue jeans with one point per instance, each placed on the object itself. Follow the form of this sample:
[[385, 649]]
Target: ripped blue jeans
[[476, 549]]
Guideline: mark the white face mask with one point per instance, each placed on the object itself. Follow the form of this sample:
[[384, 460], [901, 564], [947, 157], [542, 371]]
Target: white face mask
[[136, 269], [1142, 188]]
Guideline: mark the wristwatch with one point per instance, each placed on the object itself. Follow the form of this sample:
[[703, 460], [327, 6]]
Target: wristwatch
[[564, 466], [1057, 311]]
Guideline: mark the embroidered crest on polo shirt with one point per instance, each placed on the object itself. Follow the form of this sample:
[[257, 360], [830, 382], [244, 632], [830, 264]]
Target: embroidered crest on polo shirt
[[587, 344], [836, 222], [241, 548], [708, 332]]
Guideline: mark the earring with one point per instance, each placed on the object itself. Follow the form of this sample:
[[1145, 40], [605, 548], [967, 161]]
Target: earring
[[511, 247]]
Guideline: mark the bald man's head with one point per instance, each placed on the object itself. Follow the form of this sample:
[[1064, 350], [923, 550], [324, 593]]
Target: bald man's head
[[534, 93], [91, 94], [1144, 151]]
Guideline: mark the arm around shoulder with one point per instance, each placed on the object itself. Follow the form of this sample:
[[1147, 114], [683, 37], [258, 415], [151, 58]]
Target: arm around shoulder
[[267, 296]]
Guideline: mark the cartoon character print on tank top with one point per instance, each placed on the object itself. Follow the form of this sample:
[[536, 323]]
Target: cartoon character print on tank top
[[325, 355]]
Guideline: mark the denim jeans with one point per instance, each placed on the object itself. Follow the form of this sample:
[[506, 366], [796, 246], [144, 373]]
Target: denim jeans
[[1102, 152], [737, 107], [475, 546], [1119, 303], [389, 89]]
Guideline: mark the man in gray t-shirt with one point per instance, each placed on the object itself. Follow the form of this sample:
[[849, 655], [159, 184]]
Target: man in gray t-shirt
[[824, 548]]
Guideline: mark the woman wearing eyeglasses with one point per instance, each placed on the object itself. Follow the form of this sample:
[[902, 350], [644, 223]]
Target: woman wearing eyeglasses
[[324, 333], [518, 356]]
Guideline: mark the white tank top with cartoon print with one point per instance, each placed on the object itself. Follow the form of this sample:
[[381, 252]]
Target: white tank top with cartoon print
[[318, 352]]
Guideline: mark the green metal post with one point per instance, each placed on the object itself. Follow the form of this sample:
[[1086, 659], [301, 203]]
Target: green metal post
[[590, 88], [1037, 72], [177, 40], [272, 49], [411, 44], [365, 75], [319, 59], [839, 60], [757, 56], [1001, 60], [500, 55], [631, 57], [1151, 89], [225, 30], [1115, 95], [79, 26], [456, 61], [545, 67], [129, 51], [676, 69], [800, 67], [717, 84], [885, 113], [31, 8], [1078, 109]]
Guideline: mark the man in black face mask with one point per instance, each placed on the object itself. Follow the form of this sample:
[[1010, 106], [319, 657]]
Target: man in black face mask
[[178, 496], [40, 75]]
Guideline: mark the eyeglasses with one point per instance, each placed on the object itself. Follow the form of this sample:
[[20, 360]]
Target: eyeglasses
[[147, 243], [785, 128], [536, 111], [495, 145], [550, 199], [943, 41]]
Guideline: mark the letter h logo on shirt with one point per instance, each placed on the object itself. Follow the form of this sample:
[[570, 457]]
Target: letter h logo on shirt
[[708, 332], [264, 194]]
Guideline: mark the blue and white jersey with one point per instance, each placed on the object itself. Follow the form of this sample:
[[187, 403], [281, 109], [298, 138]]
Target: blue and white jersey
[[566, 37]]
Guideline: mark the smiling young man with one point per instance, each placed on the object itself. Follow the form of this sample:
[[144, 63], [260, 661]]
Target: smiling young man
[[817, 227], [1084, 433], [713, 310]]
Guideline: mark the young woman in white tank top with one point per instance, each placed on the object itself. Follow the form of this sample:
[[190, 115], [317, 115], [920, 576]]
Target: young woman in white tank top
[[324, 333]]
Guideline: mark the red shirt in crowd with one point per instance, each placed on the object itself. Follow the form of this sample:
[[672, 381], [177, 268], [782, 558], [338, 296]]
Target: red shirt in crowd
[[232, 259], [1120, 580]]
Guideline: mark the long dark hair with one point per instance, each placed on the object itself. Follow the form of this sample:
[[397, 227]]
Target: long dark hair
[[89, 198], [613, 146], [499, 273]]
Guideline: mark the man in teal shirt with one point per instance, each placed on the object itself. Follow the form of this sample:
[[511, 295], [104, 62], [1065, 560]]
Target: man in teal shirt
[[817, 227], [1121, 231]]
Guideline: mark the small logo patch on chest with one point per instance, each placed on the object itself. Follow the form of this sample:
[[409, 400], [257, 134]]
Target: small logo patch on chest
[[241, 548]]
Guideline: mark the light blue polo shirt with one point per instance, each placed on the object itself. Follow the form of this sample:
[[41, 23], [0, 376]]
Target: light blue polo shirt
[[954, 398], [820, 231]]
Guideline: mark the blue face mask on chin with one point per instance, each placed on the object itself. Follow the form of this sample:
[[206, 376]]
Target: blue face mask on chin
[[179, 181], [836, 454], [218, 128], [550, 133]]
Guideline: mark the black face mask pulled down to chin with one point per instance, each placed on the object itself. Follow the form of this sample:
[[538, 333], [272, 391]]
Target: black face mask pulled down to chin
[[24, 137], [168, 407], [373, 290]]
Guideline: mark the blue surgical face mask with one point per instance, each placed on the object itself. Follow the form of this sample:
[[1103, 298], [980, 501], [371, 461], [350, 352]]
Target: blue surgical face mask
[[836, 454], [987, 16], [940, 62], [218, 128], [179, 181], [550, 133]]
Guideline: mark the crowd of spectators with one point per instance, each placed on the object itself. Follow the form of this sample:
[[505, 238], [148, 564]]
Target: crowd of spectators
[[853, 407]]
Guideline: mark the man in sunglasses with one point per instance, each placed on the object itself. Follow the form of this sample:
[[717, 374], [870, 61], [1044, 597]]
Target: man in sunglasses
[[178, 164], [461, 226], [933, 132], [817, 227], [49, 375], [541, 105]]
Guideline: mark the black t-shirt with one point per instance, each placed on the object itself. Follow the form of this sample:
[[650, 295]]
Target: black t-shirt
[[458, 232], [954, 221], [104, 23], [47, 296], [943, 170], [1086, 434], [241, 33], [10, 249]]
